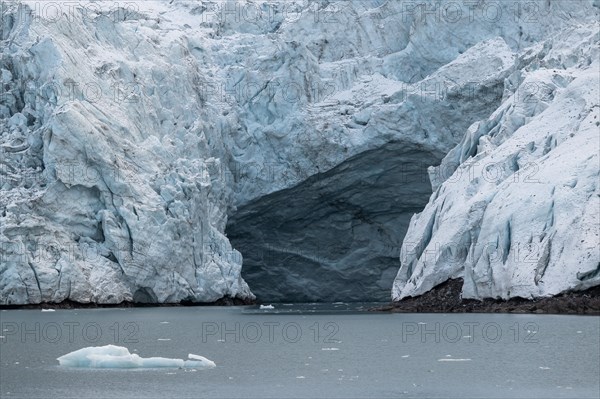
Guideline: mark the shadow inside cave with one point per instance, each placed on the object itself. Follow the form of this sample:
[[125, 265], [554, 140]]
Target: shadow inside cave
[[337, 235]]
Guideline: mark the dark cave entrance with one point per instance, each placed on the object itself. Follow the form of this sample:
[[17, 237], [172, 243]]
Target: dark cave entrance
[[337, 235]]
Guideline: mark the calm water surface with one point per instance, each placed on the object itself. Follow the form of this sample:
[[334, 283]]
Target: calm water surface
[[304, 351]]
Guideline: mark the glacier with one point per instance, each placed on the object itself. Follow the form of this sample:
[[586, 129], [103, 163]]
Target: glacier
[[516, 207], [337, 150]]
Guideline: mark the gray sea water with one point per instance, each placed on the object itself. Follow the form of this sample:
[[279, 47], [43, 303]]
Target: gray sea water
[[304, 351]]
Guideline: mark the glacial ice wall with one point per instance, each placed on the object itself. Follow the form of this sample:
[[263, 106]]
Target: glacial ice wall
[[132, 135], [516, 207], [109, 152], [346, 224], [337, 233]]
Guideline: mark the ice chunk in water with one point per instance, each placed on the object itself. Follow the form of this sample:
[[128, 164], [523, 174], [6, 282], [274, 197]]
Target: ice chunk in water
[[199, 361], [111, 356]]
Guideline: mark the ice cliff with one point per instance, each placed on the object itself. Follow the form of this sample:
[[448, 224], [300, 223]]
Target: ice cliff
[[516, 207], [144, 143]]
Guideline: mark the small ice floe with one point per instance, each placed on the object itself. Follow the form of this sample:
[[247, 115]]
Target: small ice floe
[[450, 359], [544, 368], [330, 349], [111, 356], [48, 310], [466, 336], [421, 322], [301, 377], [405, 356], [262, 307], [579, 332], [348, 378], [164, 322], [163, 339]]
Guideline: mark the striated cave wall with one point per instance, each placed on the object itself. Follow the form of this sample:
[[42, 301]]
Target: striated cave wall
[[337, 235]]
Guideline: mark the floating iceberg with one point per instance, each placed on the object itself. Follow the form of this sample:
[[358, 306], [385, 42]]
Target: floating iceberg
[[111, 356], [267, 307]]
